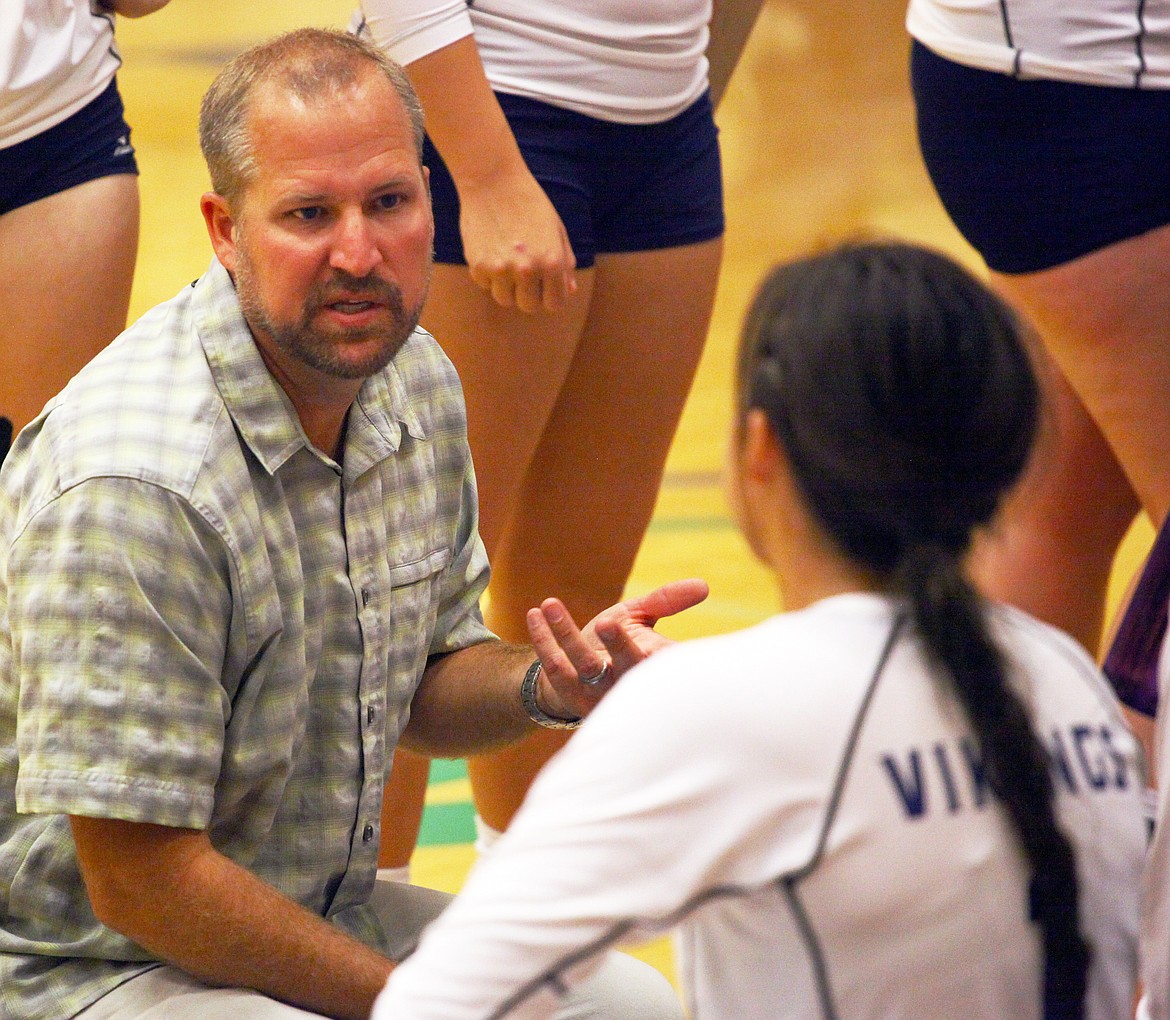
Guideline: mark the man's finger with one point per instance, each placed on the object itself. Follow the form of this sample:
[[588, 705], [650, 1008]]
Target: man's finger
[[544, 643], [670, 599], [579, 655], [618, 641]]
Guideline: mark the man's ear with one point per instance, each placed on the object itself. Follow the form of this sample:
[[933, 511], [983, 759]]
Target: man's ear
[[221, 228]]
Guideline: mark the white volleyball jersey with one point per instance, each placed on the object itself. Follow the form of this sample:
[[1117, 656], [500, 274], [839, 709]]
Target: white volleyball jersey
[[55, 57], [1155, 937], [634, 63], [803, 802], [1125, 43]]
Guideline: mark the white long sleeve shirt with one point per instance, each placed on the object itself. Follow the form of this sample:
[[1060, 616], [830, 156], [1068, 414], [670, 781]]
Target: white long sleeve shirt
[[818, 825]]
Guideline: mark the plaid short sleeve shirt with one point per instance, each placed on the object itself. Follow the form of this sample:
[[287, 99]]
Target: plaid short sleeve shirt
[[207, 623]]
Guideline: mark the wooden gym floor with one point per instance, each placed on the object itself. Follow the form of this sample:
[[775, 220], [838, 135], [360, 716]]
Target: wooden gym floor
[[818, 143]]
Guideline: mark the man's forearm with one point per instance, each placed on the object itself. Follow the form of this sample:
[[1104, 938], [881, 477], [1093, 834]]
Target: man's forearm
[[469, 701], [171, 892]]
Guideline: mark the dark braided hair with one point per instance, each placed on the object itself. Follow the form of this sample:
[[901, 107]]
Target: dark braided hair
[[903, 397]]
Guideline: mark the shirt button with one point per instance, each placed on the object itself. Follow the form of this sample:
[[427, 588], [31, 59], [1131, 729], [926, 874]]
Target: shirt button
[[365, 597], [370, 713], [367, 833]]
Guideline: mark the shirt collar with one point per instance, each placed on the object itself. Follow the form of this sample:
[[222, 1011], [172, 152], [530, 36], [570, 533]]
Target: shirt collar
[[260, 409]]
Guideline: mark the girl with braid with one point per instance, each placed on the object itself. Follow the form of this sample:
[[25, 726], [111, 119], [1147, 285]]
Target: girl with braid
[[894, 799]]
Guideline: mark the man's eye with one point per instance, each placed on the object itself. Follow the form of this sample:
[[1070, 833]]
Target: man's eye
[[309, 212], [387, 201]]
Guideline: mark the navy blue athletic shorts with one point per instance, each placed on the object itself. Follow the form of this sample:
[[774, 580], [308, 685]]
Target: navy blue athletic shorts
[[1035, 173], [93, 143], [616, 187]]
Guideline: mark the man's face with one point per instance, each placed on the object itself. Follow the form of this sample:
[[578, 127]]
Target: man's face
[[330, 242]]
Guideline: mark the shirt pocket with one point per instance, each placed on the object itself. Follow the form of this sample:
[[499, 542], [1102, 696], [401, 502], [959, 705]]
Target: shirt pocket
[[408, 612]]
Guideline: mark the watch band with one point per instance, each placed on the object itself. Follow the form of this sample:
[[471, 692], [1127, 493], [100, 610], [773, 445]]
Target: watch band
[[535, 712]]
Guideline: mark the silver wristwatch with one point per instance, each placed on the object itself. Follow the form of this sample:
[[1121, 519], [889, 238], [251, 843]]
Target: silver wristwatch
[[535, 712]]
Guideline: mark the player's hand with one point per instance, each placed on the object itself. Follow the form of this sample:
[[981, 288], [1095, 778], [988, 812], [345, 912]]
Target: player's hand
[[516, 246], [613, 641]]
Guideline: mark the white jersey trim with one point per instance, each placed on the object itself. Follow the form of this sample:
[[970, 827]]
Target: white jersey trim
[[1119, 43]]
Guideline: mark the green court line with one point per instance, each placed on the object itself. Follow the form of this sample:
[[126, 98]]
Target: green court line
[[447, 824], [690, 524], [443, 769]]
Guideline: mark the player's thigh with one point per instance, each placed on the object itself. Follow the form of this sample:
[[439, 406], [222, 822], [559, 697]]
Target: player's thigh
[[512, 367], [1052, 548], [592, 484], [403, 801], [500, 780], [640, 347], [590, 489], [66, 269], [1105, 319]]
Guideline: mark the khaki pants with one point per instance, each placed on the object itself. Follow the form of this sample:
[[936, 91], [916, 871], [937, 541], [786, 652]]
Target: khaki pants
[[623, 989]]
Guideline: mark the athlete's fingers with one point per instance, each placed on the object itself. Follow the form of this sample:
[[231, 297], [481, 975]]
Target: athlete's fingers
[[528, 291]]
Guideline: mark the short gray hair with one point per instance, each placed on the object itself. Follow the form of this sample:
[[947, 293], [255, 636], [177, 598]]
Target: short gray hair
[[309, 63]]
